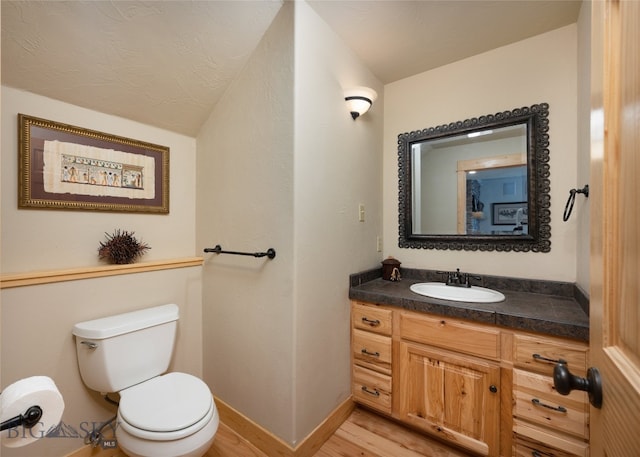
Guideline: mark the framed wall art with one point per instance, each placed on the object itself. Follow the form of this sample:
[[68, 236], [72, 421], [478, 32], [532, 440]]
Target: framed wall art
[[67, 167], [510, 213]]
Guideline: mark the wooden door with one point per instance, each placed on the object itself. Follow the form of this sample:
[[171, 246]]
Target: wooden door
[[452, 396], [615, 226]]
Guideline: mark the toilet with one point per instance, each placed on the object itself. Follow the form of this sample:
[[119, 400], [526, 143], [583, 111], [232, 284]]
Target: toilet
[[160, 414]]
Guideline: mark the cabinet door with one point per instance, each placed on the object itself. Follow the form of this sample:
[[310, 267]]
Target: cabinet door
[[452, 396]]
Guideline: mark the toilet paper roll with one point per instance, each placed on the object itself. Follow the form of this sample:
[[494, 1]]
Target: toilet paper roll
[[21, 395]]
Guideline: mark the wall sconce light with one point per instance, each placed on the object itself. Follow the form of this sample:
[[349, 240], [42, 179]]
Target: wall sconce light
[[359, 100]]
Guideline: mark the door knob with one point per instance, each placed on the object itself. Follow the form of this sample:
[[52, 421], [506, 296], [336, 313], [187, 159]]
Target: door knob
[[564, 382]]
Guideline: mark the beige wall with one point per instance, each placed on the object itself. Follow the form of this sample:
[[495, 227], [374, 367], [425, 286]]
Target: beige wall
[[245, 203], [43, 239], [36, 321], [338, 165], [536, 70], [281, 164]]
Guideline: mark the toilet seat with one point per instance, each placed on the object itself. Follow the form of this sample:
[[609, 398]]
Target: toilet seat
[[167, 407]]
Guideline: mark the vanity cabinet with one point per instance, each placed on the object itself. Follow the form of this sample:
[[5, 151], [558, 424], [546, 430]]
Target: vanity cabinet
[[480, 387], [434, 374]]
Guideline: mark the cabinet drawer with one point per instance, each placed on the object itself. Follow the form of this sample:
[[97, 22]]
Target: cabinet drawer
[[541, 354], [535, 399], [371, 318], [371, 350], [451, 334], [371, 388], [529, 440]]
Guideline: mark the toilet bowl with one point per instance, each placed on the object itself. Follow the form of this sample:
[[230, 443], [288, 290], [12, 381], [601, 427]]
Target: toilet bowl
[[167, 416], [160, 414]]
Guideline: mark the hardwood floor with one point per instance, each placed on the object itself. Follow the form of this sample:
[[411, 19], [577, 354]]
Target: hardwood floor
[[363, 434], [228, 443]]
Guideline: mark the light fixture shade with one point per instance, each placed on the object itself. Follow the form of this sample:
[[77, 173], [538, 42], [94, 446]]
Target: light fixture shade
[[359, 100]]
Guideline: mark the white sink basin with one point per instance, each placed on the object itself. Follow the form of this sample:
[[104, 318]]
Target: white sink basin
[[473, 294]]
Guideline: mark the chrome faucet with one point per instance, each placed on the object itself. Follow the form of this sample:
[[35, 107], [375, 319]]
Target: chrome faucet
[[458, 279]]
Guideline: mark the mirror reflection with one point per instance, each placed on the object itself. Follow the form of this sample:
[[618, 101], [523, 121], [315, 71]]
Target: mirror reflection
[[477, 184], [457, 181]]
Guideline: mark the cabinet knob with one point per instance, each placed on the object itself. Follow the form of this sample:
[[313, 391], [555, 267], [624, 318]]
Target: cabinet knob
[[493, 389], [564, 382]]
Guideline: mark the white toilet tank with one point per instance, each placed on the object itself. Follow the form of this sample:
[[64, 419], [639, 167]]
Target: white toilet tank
[[120, 351]]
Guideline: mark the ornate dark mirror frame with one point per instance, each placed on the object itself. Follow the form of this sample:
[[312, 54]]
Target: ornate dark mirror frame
[[539, 202]]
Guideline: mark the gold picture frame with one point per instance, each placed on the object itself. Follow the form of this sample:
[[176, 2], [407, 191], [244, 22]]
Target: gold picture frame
[[66, 167]]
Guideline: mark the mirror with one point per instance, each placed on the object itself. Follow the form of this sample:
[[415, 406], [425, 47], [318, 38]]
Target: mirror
[[479, 184]]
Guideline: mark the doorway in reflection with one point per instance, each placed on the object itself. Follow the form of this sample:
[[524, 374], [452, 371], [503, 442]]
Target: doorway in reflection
[[496, 201]]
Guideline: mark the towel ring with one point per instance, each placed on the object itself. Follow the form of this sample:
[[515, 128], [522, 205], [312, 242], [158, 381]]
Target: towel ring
[[572, 199]]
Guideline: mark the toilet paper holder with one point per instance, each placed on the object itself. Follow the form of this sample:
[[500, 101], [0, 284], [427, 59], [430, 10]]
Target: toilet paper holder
[[30, 418]]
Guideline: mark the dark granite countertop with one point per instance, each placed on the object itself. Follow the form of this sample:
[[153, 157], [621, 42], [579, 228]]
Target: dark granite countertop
[[548, 307]]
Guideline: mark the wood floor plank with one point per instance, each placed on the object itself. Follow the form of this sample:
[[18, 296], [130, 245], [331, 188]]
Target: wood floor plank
[[403, 437], [228, 443], [373, 442], [337, 446]]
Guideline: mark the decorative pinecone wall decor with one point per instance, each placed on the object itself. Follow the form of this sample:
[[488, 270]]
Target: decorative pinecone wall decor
[[121, 248]]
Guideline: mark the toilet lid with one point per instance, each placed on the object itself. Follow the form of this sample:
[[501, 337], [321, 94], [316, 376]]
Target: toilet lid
[[166, 403]]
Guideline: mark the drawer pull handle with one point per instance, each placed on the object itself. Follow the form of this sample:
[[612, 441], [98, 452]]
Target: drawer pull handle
[[372, 323], [540, 358], [535, 454], [560, 409], [374, 392], [372, 354]]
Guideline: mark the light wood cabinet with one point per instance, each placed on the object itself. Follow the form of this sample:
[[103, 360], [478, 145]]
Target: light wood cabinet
[[545, 422], [541, 354], [372, 351], [371, 318], [371, 356], [449, 333], [480, 387], [450, 395]]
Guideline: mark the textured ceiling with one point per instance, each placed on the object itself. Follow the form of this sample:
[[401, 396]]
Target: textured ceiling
[[397, 38], [162, 63], [167, 63]]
